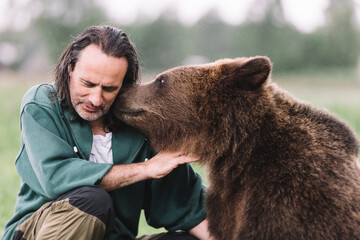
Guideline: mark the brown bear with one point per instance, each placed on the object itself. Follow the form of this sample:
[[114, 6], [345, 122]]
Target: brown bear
[[278, 168]]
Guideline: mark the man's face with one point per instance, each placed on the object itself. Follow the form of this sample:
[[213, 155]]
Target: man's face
[[95, 82]]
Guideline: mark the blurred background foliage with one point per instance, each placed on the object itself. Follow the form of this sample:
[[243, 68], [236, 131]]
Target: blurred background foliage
[[165, 42]]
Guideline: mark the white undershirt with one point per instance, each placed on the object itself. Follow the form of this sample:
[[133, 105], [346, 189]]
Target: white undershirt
[[101, 151]]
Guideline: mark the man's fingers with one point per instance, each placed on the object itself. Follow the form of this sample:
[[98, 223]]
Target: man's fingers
[[189, 159], [178, 157]]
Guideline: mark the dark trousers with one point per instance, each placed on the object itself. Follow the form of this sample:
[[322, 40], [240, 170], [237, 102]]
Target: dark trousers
[[82, 213]]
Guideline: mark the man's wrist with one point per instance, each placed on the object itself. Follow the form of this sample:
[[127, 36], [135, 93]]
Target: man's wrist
[[124, 174], [144, 170]]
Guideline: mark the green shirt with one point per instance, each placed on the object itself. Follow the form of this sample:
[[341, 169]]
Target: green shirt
[[48, 167]]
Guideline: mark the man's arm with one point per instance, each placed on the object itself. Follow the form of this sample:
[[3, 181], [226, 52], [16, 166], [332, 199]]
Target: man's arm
[[157, 167], [47, 162], [201, 231]]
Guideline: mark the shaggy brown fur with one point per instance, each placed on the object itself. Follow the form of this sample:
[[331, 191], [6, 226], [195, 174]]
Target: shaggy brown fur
[[278, 168]]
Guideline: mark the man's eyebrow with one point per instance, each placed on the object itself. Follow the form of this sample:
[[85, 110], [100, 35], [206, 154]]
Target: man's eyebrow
[[110, 87], [87, 81]]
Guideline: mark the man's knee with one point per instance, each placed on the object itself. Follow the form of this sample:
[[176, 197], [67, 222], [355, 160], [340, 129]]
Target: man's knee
[[92, 200], [82, 213]]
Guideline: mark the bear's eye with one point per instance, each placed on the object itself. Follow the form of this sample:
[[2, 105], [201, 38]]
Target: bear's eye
[[160, 81]]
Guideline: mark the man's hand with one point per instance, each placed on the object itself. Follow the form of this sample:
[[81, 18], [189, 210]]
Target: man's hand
[[157, 167], [164, 162]]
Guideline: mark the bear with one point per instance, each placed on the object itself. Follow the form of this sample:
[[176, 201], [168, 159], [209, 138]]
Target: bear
[[278, 168]]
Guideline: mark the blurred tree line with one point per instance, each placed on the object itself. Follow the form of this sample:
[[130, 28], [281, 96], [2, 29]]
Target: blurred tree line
[[166, 43]]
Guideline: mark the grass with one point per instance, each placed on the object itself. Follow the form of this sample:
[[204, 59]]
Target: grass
[[338, 91]]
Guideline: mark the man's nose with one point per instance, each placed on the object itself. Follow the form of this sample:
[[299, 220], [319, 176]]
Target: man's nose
[[96, 96]]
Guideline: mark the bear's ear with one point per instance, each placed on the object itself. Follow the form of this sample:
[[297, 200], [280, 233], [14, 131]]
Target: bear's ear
[[249, 74]]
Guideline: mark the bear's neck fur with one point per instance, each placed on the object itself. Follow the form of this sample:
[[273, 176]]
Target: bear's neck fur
[[219, 140]]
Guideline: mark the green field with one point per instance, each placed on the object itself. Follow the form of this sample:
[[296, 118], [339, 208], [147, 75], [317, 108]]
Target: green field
[[336, 90]]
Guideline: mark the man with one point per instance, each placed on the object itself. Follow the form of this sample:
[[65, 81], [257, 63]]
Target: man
[[84, 174]]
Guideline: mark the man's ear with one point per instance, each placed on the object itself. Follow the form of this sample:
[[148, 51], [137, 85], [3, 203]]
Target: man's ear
[[69, 70], [249, 74]]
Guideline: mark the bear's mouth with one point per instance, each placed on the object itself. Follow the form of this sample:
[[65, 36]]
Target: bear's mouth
[[131, 112]]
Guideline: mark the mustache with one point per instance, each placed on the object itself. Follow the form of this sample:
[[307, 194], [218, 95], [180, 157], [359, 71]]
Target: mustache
[[90, 104]]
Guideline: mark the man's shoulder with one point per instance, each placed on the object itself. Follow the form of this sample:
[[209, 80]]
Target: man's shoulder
[[42, 94]]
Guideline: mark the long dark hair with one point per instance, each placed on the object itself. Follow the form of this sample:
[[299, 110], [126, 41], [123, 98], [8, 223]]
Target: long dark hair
[[113, 42]]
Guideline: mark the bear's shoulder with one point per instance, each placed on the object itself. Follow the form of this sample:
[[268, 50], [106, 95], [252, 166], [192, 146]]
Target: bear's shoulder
[[321, 124]]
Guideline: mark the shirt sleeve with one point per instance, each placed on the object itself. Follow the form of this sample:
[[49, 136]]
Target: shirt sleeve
[[176, 202], [47, 162]]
